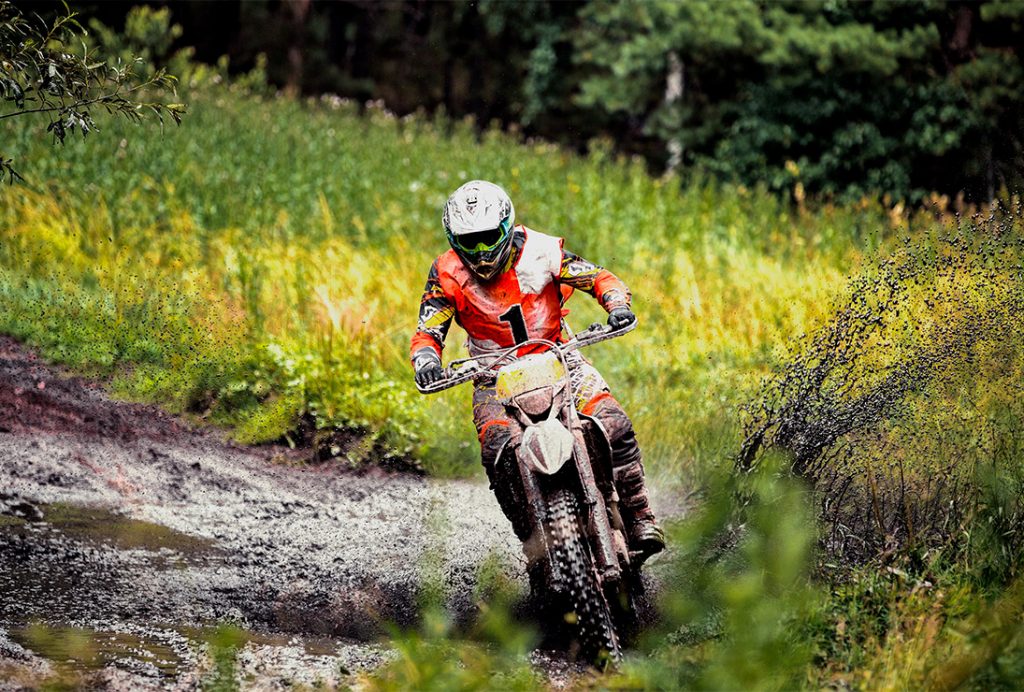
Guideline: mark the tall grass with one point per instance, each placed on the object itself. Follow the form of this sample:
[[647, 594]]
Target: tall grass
[[264, 262]]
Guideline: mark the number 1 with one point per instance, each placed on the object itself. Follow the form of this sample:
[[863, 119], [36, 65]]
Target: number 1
[[514, 317]]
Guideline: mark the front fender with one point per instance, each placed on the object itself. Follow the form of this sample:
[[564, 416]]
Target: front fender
[[546, 446]]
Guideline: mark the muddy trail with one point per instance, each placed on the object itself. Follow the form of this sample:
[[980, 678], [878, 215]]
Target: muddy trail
[[134, 534]]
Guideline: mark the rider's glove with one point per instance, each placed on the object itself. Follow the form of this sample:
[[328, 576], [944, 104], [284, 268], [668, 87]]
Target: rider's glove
[[621, 317], [427, 366]]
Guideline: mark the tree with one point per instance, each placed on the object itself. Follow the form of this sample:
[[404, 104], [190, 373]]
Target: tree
[[47, 70], [845, 98]]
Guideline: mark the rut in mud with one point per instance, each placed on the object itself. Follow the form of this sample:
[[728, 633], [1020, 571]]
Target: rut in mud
[[120, 518]]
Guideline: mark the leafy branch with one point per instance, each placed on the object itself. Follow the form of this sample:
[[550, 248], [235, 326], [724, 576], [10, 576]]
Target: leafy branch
[[42, 71]]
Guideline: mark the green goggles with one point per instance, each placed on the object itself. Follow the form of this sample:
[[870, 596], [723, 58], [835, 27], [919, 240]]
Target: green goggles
[[482, 241]]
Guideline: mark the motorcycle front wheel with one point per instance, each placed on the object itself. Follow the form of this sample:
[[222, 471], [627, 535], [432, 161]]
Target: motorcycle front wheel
[[576, 580]]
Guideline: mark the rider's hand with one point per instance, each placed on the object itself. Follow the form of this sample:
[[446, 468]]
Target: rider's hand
[[428, 368], [620, 318]]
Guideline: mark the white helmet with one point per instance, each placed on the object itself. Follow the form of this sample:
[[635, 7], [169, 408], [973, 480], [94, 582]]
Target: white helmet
[[478, 220]]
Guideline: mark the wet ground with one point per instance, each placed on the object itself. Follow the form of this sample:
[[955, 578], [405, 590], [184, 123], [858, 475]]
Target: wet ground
[[128, 539]]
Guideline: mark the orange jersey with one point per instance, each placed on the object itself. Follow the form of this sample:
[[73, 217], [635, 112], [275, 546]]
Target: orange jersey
[[523, 302]]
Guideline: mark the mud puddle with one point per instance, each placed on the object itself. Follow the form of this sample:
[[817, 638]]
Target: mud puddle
[[102, 525], [63, 566], [155, 653], [61, 561], [128, 533], [122, 656]]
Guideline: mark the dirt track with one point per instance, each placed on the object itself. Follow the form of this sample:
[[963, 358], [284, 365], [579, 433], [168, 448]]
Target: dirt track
[[183, 529]]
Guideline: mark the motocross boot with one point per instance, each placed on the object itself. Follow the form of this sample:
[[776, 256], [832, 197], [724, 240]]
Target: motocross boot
[[646, 537], [644, 534]]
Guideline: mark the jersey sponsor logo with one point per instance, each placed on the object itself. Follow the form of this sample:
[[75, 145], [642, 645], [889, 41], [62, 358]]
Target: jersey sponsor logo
[[580, 267], [432, 317]]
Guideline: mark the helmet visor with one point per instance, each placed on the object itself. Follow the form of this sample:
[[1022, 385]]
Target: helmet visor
[[482, 241]]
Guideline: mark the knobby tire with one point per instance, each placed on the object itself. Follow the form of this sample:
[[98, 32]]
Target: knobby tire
[[576, 579]]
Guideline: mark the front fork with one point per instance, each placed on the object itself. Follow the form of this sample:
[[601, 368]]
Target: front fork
[[600, 450], [599, 528]]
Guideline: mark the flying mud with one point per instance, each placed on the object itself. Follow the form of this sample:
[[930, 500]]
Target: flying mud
[[903, 410]]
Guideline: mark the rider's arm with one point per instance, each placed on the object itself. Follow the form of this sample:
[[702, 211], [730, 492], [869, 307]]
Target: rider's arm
[[436, 313], [590, 278]]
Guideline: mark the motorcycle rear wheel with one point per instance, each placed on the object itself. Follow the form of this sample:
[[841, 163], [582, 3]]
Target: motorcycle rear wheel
[[576, 579]]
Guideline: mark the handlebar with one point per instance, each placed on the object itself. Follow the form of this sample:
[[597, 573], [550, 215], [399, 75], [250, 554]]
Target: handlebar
[[466, 369]]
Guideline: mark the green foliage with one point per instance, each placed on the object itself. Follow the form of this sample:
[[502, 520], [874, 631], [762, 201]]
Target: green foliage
[[838, 97], [148, 37], [737, 592], [149, 40], [901, 409], [223, 645], [992, 556], [43, 72], [232, 282], [849, 92]]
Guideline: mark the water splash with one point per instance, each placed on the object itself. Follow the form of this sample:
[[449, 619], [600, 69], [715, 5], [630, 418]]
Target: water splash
[[894, 408]]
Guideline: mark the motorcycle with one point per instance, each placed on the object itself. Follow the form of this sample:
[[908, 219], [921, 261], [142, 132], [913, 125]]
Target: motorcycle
[[559, 464]]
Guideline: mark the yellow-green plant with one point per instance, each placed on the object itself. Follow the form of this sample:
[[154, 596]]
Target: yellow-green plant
[[264, 263]]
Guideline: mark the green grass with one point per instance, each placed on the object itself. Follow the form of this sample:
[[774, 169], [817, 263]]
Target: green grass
[[263, 264], [266, 258]]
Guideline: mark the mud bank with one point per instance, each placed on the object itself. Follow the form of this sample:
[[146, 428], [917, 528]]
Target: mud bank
[[116, 517]]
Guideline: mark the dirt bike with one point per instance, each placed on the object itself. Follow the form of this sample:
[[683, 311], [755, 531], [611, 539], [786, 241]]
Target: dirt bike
[[559, 464]]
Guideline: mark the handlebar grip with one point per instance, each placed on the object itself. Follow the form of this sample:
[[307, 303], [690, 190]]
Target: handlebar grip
[[449, 378]]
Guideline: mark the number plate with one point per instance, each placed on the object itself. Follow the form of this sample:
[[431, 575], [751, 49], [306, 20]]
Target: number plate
[[528, 373]]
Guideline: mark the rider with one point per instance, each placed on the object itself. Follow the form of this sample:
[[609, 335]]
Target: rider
[[504, 284]]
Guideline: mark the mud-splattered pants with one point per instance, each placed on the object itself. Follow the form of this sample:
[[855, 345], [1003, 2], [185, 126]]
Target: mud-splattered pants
[[593, 399]]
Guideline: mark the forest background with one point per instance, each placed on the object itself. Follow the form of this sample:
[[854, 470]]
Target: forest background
[[845, 98]]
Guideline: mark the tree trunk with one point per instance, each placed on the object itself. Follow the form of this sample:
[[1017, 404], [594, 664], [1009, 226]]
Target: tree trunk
[[674, 86], [299, 13], [963, 25]]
